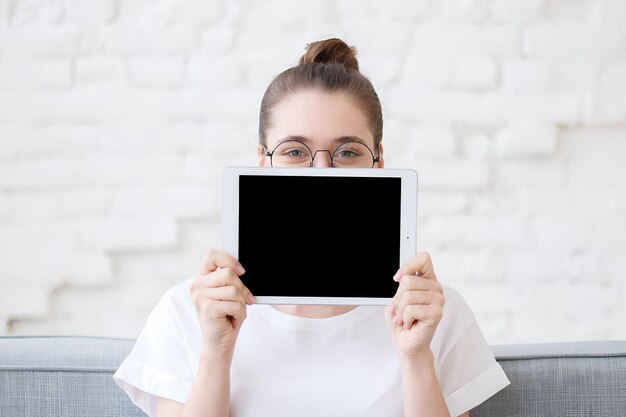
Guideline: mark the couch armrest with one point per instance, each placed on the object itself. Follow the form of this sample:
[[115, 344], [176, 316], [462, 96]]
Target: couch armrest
[[582, 379], [62, 376]]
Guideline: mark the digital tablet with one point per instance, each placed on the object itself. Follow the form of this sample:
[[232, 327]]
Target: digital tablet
[[319, 235]]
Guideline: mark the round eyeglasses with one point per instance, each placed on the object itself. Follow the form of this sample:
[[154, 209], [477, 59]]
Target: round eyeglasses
[[293, 153]]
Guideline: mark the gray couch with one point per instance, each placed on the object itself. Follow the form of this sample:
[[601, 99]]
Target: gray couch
[[71, 376]]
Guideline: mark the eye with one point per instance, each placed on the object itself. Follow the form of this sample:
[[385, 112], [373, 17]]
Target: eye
[[353, 154], [346, 153], [350, 150], [294, 153]]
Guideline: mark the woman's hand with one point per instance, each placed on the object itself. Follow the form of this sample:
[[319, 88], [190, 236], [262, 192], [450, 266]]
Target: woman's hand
[[417, 307], [220, 299]]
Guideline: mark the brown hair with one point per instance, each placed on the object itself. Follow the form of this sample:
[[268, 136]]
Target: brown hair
[[330, 65]]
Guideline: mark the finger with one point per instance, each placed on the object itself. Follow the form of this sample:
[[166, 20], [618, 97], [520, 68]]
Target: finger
[[228, 293], [212, 308], [420, 265], [222, 278], [214, 259], [409, 298], [415, 297], [220, 309], [428, 314], [412, 282], [231, 309]]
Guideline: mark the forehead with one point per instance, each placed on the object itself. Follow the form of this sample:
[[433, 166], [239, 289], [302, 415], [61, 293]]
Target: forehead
[[319, 116]]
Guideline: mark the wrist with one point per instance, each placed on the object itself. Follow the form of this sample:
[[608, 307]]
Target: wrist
[[417, 360], [215, 357]]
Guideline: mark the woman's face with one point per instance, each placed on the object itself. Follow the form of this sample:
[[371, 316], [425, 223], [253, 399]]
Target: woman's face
[[322, 121]]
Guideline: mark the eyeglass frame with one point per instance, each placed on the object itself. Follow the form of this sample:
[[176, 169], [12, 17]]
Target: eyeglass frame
[[330, 155]]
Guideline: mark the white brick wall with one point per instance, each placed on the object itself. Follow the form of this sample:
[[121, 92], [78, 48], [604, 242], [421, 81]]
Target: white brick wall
[[37, 75], [117, 117]]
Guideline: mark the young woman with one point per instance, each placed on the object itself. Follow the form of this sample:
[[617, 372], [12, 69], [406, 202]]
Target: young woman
[[208, 350]]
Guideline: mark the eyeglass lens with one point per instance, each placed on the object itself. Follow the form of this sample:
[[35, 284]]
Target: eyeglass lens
[[294, 153]]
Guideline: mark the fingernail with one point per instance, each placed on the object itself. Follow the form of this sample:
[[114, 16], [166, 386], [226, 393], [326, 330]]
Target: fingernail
[[397, 276], [240, 269], [394, 322], [251, 299]]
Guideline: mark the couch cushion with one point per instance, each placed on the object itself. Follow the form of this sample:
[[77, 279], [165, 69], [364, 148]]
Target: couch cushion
[[582, 379]]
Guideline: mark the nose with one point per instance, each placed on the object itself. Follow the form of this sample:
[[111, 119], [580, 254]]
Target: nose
[[321, 159]]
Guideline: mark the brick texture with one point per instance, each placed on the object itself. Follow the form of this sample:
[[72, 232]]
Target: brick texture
[[117, 117]]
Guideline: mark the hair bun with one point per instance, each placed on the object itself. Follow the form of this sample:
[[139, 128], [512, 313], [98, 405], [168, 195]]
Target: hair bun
[[331, 50]]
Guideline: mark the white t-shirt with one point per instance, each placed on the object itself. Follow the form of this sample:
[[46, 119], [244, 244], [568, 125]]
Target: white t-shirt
[[285, 365]]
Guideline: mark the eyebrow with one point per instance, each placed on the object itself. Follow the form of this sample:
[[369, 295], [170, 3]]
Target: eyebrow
[[341, 139]]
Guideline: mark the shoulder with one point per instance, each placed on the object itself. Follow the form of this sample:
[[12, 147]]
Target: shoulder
[[175, 305], [455, 304], [456, 320], [179, 293]]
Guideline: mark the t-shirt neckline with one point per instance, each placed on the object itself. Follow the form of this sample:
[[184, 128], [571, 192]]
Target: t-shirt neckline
[[305, 322]]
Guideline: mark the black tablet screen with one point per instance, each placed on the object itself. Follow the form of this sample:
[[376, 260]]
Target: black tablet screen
[[302, 236]]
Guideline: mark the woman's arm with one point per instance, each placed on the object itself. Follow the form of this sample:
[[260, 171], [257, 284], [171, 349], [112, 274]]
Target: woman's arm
[[413, 316], [422, 395], [210, 391], [220, 299], [209, 395]]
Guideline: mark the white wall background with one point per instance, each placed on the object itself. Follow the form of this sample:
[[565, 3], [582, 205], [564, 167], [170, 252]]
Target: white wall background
[[117, 116]]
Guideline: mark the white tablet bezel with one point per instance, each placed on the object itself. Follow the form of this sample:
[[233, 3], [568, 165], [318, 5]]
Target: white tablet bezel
[[408, 219]]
